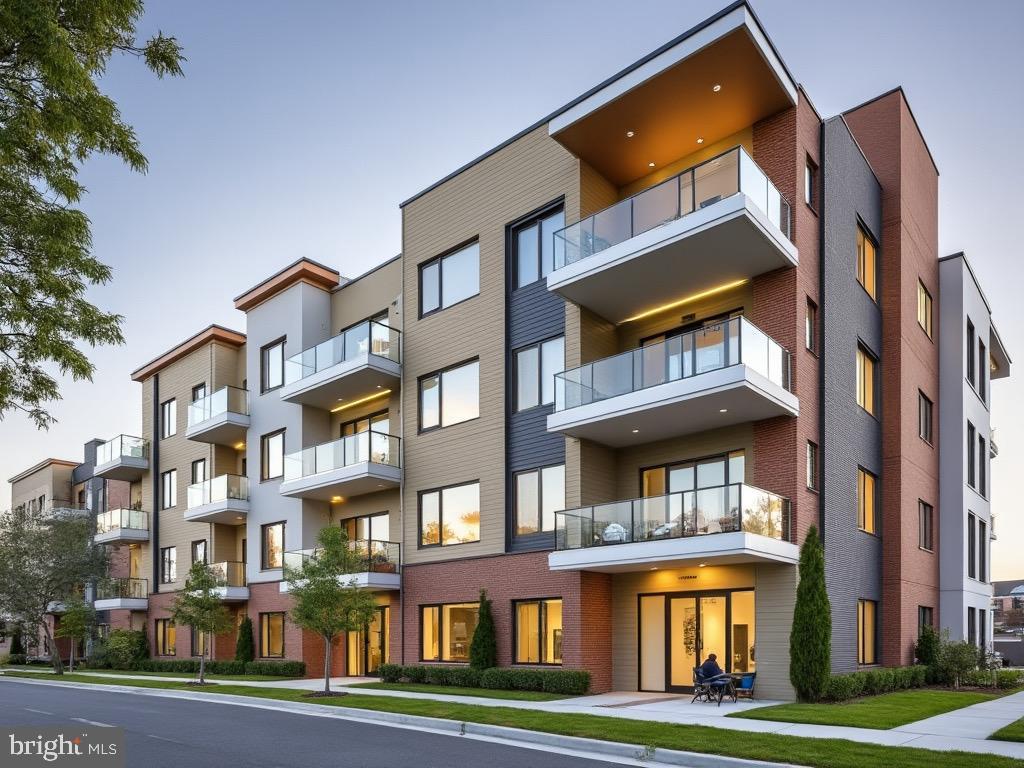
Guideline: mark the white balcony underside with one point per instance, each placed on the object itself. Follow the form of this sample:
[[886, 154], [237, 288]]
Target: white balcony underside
[[223, 429], [680, 407], [122, 468], [368, 580], [353, 480], [232, 594], [714, 548], [122, 536], [122, 604], [228, 511], [348, 380], [727, 241]]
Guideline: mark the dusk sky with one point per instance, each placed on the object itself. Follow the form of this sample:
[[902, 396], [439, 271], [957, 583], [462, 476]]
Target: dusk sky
[[299, 127]]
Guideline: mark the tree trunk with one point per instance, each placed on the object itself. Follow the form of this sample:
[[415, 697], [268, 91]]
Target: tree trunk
[[327, 664], [202, 667], [71, 666], [58, 665]]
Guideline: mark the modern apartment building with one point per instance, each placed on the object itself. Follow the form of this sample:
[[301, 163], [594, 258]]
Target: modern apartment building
[[625, 361]]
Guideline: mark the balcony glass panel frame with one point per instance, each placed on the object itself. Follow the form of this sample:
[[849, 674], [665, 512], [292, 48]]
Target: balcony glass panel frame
[[229, 573], [372, 556], [122, 519], [122, 447], [124, 588], [367, 446], [218, 489], [369, 337], [225, 400]]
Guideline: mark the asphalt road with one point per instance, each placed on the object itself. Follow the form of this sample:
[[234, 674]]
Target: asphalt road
[[173, 732]]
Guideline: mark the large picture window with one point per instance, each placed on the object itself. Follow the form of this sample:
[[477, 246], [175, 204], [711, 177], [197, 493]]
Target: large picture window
[[866, 500], [536, 367], [272, 455], [450, 515], [449, 279], [450, 396], [272, 551], [447, 630], [539, 493], [165, 637], [272, 635], [535, 247], [867, 631], [538, 631], [376, 527], [272, 366]]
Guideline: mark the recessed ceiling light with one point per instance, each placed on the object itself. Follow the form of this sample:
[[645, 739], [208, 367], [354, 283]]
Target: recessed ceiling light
[[239, 517], [654, 567], [716, 88], [700, 139], [723, 410], [635, 431], [650, 165], [702, 565], [629, 134]]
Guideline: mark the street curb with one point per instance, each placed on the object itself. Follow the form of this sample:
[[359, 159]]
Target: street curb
[[513, 736]]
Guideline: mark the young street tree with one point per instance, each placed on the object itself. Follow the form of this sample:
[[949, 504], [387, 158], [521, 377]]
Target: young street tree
[[52, 118], [810, 660], [45, 561], [199, 606], [326, 598], [76, 624]]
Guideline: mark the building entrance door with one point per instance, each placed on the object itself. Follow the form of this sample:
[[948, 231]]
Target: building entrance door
[[368, 649]]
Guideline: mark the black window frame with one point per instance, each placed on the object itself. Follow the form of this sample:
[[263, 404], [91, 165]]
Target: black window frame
[[873, 531], [439, 373], [171, 474], [439, 261], [972, 476], [160, 627], [439, 490], [192, 471], [263, 545], [982, 370], [441, 632], [539, 346], [264, 356], [925, 618], [284, 619], [869, 237], [873, 383], [811, 343], [264, 477], [193, 635], [862, 659], [982, 466], [970, 352], [541, 628], [813, 465], [539, 471], [930, 306], [200, 390], [982, 551], [192, 551], [168, 423], [925, 526], [536, 218], [811, 183], [972, 546], [168, 565], [925, 417]]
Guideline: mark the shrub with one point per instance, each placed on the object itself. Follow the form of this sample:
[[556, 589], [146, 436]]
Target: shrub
[[276, 668], [125, 647], [873, 682], [568, 682], [17, 647], [390, 673], [244, 648], [926, 651], [5, 659], [483, 649], [18, 658], [811, 636], [956, 660], [1008, 678]]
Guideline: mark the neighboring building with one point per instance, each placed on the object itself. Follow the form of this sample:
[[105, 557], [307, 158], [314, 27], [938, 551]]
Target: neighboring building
[[622, 428], [1008, 605]]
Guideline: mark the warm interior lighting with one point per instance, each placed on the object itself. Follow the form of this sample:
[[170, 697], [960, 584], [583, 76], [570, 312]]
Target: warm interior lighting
[[723, 410], [650, 165], [716, 88], [629, 134], [635, 431], [654, 567], [240, 446], [336, 499], [362, 400], [700, 139], [687, 300], [239, 517], [702, 565]]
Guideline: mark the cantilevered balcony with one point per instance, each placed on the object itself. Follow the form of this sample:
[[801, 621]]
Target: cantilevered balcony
[[724, 524], [62, 509], [122, 458], [375, 564], [361, 463], [727, 373], [360, 362], [222, 499], [232, 586], [122, 595], [221, 418], [716, 224], [122, 526]]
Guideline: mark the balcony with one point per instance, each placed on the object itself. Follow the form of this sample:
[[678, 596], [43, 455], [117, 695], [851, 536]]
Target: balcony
[[222, 499], [993, 447], [121, 526], [122, 595], [61, 509], [122, 458], [992, 527], [231, 584], [727, 524], [716, 224], [221, 418], [376, 566], [364, 360], [723, 374], [362, 463]]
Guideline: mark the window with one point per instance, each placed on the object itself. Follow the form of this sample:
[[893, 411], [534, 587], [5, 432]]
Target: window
[[811, 327], [168, 418], [198, 392], [925, 618], [867, 613], [972, 631], [982, 551], [198, 471], [535, 247], [970, 351], [867, 263], [377, 422], [810, 182], [972, 546], [982, 363], [368, 527], [272, 455], [982, 629], [539, 494], [447, 630], [447, 280], [924, 308], [982, 468], [536, 367], [709, 472], [450, 515], [199, 551], [168, 488], [866, 380], [538, 631], [272, 551], [866, 498], [450, 396], [272, 366], [812, 465], [165, 633], [200, 642], [924, 417], [168, 565], [272, 635], [971, 481], [925, 525]]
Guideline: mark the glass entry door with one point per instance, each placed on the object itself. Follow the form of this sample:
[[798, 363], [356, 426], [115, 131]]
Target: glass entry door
[[368, 649]]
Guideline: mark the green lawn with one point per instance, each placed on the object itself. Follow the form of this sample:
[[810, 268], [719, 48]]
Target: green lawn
[[183, 675], [882, 712], [1012, 732], [821, 753], [453, 690]]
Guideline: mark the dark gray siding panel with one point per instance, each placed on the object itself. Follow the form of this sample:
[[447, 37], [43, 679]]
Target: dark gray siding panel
[[535, 314], [851, 438]]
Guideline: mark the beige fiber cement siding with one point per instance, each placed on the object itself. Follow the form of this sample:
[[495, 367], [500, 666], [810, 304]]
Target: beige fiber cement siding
[[365, 296], [476, 204]]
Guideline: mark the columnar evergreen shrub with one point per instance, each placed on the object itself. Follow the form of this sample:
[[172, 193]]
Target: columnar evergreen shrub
[[483, 649], [811, 636], [245, 650]]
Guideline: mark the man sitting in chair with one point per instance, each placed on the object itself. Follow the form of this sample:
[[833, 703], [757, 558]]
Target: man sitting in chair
[[710, 669]]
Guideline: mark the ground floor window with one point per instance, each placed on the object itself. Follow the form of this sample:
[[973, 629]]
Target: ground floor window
[[200, 642], [165, 637], [867, 631], [925, 618], [538, 631], [272, 635], [447, 630]]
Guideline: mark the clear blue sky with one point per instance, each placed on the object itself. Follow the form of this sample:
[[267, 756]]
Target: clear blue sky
[[300, 126]]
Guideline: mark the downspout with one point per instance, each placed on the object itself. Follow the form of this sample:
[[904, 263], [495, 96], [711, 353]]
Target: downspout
[[154, 459], [821, 331]]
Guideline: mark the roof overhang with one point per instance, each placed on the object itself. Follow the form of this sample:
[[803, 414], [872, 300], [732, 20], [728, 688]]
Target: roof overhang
[[301, 271], [212, 333], [42, 465]]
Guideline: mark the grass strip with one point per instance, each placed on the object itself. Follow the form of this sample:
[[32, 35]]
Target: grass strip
[[133, 673], [454, 690], [1012, 732]]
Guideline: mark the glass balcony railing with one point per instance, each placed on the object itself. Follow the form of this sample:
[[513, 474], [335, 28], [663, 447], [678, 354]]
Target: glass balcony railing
[[229, 573], [374, 447], [695, 188], [113, 589], [220, 488], [369, 556], [722, 509], [116, 519], [714, 347], [370, 337], [224, 400], [122, 447]]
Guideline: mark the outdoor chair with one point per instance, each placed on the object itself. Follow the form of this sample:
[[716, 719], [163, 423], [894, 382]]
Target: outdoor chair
[[711, 689], [745, 687]]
